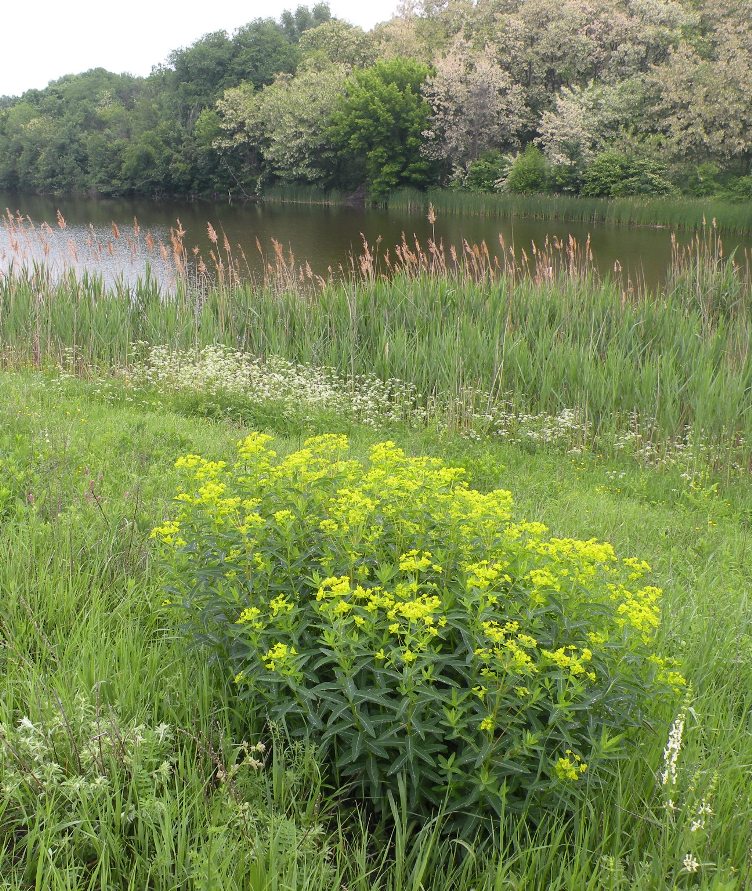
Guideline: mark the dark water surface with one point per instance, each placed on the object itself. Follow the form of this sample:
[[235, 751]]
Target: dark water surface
[[322, 236]]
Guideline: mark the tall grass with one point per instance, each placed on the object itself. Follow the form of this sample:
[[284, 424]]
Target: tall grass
[[542, 331], [675, 213]]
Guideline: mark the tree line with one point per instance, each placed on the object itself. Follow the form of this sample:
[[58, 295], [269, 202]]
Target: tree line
[[594, 97]]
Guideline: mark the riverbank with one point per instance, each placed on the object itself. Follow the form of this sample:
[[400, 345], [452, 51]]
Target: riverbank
[[666, 213], [483, 342], [660, 213]]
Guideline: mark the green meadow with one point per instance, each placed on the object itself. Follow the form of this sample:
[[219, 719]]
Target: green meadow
[[89, 654]]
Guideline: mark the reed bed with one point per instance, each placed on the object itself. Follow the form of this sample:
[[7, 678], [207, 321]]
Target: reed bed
[[674, 213], [536, 331]]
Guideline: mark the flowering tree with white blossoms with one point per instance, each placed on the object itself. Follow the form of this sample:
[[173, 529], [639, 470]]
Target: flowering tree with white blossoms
[[475, 106]]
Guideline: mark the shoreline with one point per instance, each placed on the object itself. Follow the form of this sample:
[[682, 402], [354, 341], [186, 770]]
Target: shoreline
[[682, 213]]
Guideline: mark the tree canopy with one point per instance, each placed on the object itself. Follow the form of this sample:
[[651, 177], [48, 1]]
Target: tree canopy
[[448, 92]]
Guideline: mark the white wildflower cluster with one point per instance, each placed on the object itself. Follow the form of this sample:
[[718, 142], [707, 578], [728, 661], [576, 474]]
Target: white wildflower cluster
[[567, 428], [294, 389], [652, 451], [478, 412], [691, 452], [219, 371], [702, 812], [247, 755], [80, 754], [616, 476], [687, 800], [73, 767], [690, 863], [669, 773]]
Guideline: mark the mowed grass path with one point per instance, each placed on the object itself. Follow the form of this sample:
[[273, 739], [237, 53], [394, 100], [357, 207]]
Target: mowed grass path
[[83, 480]]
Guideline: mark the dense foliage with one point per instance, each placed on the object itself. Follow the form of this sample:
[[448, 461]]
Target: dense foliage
[[412, 628], [658, 83], [380, 121]]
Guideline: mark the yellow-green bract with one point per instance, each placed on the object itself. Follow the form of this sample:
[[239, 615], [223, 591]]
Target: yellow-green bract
[[413, 627]]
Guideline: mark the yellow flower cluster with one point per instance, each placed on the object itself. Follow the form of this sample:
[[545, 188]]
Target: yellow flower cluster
[[354, 505], [488, 725], [637, 568], [417, 561], [168, 533], [409, 617], [392, 572], [640, 609], [668, 673], [250, 616], [279, 658], [571, 767], [254, 445], [483, 575], [209, 495], [567, 658]]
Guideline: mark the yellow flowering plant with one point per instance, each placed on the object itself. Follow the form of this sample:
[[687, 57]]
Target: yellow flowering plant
[[412, 627]]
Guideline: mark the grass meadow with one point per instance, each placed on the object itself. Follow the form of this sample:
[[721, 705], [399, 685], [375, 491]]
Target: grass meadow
[[127, 758]]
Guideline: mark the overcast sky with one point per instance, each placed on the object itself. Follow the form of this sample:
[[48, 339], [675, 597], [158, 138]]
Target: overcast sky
[[45, 39]]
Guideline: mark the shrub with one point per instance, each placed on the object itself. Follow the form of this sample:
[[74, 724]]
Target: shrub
[[703, 180], [613, 175], [565, 178], [412, 628], [529, 172], [740, 188], [484, 173]]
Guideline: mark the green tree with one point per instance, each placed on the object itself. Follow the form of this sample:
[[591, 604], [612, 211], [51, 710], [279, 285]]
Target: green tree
[[201, 73], [262, 50], [295, 115], [238, 142], [529, 173], [196, 166], [18, 145], [475, 107], [588, 120], [379, 126], [704, 106], [338, 43], [286, 125], [483, 174], [47, 138], [295, 24], [146, 163]]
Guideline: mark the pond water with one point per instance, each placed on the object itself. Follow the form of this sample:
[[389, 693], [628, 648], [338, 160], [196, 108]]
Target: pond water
[[80, 232]]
